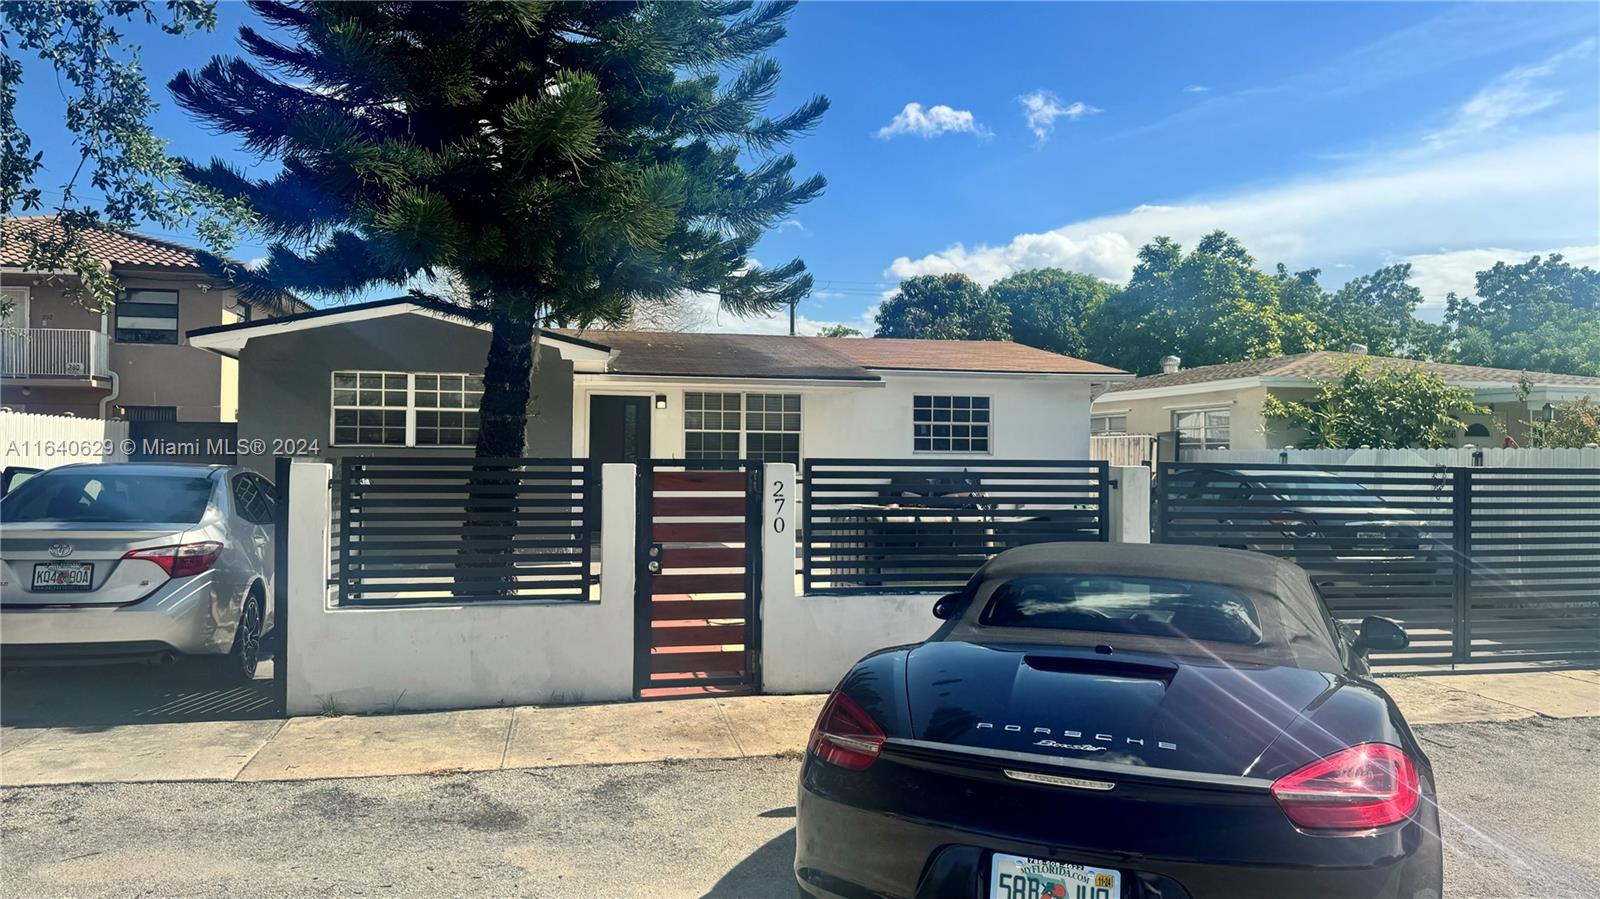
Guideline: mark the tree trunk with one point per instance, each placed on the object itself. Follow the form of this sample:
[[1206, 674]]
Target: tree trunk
[[487, 552], [503, 411]]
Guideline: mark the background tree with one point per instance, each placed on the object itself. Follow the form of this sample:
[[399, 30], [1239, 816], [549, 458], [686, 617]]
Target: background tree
[[942, 307], [1575, 424], [1377, 310], [1379, 406], [1048, 307], [1210, 306], [122, 176], [1541, 315], [837, 331], [567, 162]]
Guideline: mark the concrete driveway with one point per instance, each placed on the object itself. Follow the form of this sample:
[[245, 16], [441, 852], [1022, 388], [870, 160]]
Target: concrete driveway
[[1521, 805]]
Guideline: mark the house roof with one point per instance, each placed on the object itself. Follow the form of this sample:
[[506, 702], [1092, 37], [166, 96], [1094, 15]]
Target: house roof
[[703, 355], [694, 354], [115, 248], [1326, 365], [122, 251]]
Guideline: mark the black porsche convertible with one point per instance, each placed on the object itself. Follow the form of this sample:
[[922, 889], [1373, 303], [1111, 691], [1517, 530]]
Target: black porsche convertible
[[1121, 721]]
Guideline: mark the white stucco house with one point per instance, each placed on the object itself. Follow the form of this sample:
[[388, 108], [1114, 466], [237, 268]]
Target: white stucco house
[[401, 376]]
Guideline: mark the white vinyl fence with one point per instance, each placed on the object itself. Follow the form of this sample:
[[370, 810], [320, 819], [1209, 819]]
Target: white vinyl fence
[[32, 440], [1463, 457], [1124, 449]]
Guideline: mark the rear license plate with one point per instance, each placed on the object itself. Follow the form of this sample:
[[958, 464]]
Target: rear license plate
[[63, 575], [1016, 877]]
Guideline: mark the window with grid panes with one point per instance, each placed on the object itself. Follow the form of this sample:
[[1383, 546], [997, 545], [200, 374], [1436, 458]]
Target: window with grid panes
[[711, 425], [1203, 428], [369, 408], [447, 409], [950, 424], [772, 427]]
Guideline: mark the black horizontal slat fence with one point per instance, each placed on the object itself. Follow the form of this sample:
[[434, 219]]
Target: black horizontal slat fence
[[1483, 567], [1533, 589], [927, 524], [428, 530]]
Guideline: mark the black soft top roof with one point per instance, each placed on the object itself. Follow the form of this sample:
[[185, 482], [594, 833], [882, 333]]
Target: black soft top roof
[[1294, 629]]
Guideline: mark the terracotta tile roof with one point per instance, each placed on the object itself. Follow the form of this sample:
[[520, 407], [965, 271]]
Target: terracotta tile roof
[[115, 248], [692, 354], [1326, 365]]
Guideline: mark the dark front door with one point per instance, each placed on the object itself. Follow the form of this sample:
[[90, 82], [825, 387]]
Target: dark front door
[[619, 428]]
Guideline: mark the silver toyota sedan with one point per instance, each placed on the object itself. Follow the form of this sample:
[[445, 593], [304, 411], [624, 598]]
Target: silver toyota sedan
[[137, 561]]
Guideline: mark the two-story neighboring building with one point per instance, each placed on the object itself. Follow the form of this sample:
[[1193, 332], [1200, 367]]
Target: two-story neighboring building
[[133, 361]]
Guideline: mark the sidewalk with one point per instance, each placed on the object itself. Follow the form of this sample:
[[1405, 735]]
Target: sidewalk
[[544, 737]]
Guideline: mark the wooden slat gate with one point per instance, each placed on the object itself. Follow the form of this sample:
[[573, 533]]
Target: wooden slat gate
[[697, 627]]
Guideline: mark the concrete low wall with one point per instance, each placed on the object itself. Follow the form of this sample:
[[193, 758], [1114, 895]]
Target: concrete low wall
[[809, 642], [454, 655]]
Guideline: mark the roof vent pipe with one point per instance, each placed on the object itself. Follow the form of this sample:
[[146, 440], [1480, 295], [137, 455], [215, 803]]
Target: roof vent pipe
[[1360, 349], [1169, 364]]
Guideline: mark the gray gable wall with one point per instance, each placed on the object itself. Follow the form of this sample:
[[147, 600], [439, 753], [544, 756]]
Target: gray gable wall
[[285, 382]]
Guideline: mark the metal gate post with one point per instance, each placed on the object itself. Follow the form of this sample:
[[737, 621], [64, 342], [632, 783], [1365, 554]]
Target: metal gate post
[[754, 531], [1104, 498], [280, 585], [1163, 469], [1461, 552], [643, 588]]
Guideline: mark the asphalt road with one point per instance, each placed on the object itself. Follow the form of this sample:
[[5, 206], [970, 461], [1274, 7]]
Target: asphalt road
[[1521, 801]]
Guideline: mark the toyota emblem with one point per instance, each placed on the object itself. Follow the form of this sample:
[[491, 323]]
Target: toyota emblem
[[61, 550]]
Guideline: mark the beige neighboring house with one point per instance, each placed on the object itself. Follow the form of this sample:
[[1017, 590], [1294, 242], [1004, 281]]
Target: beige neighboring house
[[132, 362], [1219, 406]]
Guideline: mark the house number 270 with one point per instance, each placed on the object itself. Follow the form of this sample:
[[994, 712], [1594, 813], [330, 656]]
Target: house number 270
[[778, 524]]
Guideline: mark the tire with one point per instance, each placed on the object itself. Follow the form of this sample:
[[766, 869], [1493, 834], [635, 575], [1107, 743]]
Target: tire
[[239, 665]]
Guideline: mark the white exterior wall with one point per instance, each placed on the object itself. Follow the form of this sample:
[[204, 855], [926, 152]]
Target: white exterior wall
[[1034, 416], [451, 656], [809, 642]]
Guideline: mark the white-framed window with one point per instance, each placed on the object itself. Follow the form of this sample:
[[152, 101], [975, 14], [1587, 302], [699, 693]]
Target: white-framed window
[[945, 423], [447, 409], [759, 426], [1203, 428], [147, 316], [1109, 424], [388, 408], [772, 427], [711, 425]]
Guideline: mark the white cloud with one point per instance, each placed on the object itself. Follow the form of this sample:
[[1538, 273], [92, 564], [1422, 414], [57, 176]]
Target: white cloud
[[703, 312], [1447, 271], [932, 122], [1536, 193], [1195, 89], [1517, 94], [1041, 108]]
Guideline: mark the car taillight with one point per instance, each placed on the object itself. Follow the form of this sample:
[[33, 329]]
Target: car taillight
[[846, 735], [183, 559], [1365, 786]]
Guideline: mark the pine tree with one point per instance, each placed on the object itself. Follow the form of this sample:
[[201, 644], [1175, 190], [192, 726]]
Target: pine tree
[[564, 162]]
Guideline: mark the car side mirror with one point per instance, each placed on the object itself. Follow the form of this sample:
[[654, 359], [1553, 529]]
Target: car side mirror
[[1381, 634], [946, 605]]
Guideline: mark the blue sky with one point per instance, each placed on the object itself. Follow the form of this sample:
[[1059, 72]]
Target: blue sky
[[1342, 136]]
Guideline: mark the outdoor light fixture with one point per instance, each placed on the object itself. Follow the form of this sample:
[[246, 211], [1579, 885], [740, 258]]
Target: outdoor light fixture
[[1548, 413], [661, 401]]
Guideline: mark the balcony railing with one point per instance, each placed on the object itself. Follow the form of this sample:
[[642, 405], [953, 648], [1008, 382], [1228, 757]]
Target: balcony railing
[[57, 352]]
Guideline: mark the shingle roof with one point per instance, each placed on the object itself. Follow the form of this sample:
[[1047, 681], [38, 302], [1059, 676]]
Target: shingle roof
[[115, 248], [691, 354], [1326, 365]]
